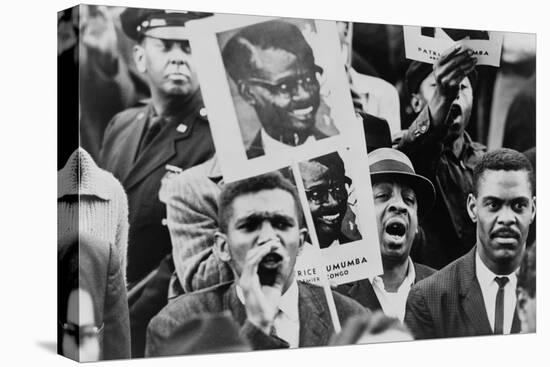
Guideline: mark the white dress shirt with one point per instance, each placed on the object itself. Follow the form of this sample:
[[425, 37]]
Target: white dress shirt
[[272, 146], [287, 321], [489, 288], [393, 303]]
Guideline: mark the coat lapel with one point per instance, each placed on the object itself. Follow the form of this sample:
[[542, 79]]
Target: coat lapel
[[256, 148], [315, 323], [471, 296], [164, 146], [126, 159], [363, 292]]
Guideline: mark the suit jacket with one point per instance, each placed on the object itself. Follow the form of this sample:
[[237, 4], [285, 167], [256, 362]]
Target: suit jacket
[[315, 321], [256, 147], [362, 290], [450, 303], [184, 143]]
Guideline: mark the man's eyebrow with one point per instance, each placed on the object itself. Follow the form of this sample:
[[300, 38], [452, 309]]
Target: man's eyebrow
[[501, 200], [261, 216]]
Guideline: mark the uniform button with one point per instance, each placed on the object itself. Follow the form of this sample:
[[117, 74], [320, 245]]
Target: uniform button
[[202, 112], [164, 222], [181, 128]]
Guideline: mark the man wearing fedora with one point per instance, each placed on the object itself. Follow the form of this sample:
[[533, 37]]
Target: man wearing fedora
[[169, 129], [400, 197], [442, 151]]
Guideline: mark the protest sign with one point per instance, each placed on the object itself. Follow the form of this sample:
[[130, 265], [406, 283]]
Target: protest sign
[[426, 44], [256, 125]]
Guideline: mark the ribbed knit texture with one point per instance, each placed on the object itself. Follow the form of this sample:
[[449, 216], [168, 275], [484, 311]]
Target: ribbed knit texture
[[91, 200]]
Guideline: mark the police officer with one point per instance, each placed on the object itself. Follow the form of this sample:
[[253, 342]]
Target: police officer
[[169, 130]]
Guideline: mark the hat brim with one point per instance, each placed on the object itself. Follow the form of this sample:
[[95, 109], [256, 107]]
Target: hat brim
[[176, 33], [423, 188]]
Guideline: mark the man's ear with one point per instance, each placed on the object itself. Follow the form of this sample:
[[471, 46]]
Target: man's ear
[[244, 91], [471, 206], [139, 58], [417, 103], [221, 247]]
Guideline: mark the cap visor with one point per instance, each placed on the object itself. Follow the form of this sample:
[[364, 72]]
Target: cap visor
[[177, 33]]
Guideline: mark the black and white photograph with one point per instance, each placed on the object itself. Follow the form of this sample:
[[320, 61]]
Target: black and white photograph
[[272, 88], [234, 183], [327, 189], [272, 71]]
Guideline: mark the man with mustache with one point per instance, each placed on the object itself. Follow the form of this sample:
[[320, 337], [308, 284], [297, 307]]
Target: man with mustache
[[476, 294], [170, 129], [442, 151], [274, 70], [326, 186], [261, 234], [400, 197]]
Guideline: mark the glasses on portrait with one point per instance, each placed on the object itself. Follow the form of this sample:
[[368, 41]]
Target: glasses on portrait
[[80, 332], [319, 194], [289, 86]]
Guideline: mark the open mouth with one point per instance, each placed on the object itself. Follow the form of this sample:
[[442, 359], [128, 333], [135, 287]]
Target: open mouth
[[330, 219], [455, 115], [396, 228], [271, 261], [302, 113]]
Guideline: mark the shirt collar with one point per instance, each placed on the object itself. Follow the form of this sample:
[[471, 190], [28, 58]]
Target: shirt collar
[[485, 276], [271, 145], [288, 304], [407, 282]]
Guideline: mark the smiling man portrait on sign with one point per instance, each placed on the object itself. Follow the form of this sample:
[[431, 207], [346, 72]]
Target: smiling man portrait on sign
[[275, 73]]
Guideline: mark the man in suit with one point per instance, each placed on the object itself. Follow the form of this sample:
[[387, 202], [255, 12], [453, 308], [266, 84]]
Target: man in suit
[[139, 143], [400, 197], [261, 234], [476, 294], [275, 72]]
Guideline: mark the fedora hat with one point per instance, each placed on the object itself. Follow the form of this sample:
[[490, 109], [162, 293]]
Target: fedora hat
[[391, 164]]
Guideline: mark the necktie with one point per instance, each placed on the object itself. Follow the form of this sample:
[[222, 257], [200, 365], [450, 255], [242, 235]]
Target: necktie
[[155, 125], [499, 304]]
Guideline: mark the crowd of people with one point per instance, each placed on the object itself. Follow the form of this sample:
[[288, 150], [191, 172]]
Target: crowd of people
[[158, 255]]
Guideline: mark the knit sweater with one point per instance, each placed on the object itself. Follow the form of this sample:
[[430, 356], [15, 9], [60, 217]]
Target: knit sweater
[[91, 200]]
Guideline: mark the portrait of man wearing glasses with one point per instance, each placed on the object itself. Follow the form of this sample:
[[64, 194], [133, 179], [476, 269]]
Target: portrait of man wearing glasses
[[274, 71], [326, 186]]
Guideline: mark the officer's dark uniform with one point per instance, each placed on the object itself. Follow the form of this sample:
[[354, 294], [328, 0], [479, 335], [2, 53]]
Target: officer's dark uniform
[[183, 141]]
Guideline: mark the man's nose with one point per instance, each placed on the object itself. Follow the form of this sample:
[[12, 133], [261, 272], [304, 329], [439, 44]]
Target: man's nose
[[397, 204], [331, 201], [267, 231], [178, 55], [506, 216], [300, 93]]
